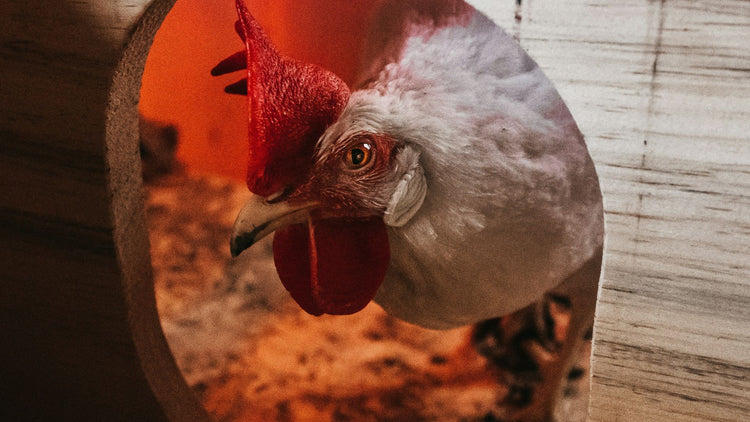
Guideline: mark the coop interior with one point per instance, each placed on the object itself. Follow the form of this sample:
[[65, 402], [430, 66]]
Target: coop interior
[[242, 344]]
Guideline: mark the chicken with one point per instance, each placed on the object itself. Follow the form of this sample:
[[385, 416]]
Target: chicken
[[451, 186]]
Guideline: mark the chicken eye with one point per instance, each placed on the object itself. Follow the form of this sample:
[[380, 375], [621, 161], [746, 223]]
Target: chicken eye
[[358, 156]]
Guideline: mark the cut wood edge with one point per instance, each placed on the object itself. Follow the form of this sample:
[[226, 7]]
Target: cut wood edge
[[125, 185]]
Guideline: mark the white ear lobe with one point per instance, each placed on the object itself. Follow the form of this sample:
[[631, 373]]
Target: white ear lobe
[[407, 198]]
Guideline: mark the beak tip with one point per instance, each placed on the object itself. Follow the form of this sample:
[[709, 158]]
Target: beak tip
[[240, 243]]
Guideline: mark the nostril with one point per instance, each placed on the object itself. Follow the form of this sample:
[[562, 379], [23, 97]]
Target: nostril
[[279, 195]]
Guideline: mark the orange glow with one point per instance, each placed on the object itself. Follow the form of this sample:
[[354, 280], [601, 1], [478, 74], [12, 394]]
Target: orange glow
[[197, 34]]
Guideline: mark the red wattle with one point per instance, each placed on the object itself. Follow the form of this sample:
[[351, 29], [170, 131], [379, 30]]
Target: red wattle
[[338, 269], [291, 254]]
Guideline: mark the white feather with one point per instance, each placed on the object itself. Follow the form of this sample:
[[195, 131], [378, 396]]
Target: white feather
[[511, 204]]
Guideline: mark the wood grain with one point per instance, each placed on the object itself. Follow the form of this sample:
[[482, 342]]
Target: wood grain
[[661, 89], [81, 337]]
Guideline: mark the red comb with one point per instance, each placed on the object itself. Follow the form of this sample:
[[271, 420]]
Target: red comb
[[233, 63], [290, 105]]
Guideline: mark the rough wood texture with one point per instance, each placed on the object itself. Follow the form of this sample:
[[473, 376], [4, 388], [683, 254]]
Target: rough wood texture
[[660, 89], [81, 338]]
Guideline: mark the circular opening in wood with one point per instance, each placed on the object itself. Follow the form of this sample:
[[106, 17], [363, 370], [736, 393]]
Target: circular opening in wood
[[243, 346]]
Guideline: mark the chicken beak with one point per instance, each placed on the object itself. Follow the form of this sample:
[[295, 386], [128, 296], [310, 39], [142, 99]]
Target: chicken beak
[[259, 217]]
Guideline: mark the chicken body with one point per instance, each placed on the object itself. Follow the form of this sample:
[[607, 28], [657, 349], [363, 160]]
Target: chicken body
[[512, 204]]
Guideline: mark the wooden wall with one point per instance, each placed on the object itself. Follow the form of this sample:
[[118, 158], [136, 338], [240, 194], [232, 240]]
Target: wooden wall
[[660, 89], [80, 336]]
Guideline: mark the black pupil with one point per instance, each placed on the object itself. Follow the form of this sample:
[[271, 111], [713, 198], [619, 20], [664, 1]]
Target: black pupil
[[358, 156]]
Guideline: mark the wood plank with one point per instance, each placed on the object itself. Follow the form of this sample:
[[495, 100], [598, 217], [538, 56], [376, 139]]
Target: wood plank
[[81, 337], [660, 89]]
